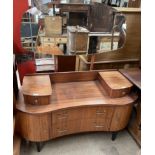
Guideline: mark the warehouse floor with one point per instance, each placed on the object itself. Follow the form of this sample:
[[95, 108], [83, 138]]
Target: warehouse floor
[[86, 144]]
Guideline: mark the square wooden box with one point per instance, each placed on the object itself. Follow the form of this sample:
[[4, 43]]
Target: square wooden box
[[77, 39], [37, 89], [115, 83]]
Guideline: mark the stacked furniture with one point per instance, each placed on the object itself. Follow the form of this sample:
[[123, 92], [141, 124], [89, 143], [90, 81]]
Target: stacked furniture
[[57, 104]]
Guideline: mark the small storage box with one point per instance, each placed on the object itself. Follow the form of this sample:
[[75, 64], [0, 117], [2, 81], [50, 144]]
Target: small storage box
[[115, 83], [37, 89], [77, 39]]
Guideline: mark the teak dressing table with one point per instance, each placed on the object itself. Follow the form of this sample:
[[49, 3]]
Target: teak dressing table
[[80, 102]]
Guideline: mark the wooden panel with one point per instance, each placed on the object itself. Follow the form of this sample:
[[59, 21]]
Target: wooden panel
[[97, 112], [115, 83], [65, 63], [53, 25], [65, 128], [133, 74], [84, 64], [94, 125], [120, 117], [34, 127], [73, 76]]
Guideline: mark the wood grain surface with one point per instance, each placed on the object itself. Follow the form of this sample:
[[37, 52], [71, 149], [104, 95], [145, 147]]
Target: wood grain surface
[[79, 105], [115, 83], [37, 85], [133, 74], [83, 90]]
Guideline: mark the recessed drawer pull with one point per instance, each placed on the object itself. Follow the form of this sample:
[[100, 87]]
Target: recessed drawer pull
[[62, 117], [99, 126], [61, 131], [36, 101], [100, 113]]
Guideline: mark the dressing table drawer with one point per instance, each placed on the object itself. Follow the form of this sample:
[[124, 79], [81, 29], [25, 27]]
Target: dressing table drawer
[[66, 115], [37, 100]]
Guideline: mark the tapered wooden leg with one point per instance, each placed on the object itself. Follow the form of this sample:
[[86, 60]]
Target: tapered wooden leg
[[38, 144], [114, 135]]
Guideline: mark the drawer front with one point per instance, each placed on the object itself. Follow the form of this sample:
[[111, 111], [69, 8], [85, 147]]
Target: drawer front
[[64, 128], [48, 44], [95, 125], [36, 100], [46, 39], [120, 93], [98, 112], [66, 115], [61, 40]]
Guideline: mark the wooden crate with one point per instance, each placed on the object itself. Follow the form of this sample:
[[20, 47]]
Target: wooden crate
[[77, 39], [53, 25]]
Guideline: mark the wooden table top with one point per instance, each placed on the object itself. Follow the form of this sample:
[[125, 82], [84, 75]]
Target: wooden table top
[[133, 74], [53, 50], [75, 94], [37, 85]]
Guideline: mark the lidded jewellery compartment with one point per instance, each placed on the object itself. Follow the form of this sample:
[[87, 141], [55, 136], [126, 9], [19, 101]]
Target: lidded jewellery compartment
[[115, 84], [37, 89]]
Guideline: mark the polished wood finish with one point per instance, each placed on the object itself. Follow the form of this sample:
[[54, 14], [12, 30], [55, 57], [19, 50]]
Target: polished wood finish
[[79, 103], [134, 75], [37, 85], [121, 117], [37, 89], [34, 127], [115, 83]]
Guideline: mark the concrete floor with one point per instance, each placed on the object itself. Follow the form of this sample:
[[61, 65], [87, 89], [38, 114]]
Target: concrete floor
[[86, 144]]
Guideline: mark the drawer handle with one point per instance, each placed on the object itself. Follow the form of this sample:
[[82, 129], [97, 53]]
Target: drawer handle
[[48, 39], [61, 131], [123, 93], [100, 113], [36, 101], [99, 126], [63, 117]]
